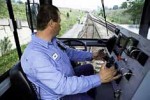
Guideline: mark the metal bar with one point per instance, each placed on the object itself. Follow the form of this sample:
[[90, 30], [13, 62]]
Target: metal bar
[[30, 15], [109, 23], [104, 15], [111, 27], [11, 15]]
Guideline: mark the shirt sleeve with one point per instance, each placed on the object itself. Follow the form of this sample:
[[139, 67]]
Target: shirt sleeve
[[78, 55], [48, 74]]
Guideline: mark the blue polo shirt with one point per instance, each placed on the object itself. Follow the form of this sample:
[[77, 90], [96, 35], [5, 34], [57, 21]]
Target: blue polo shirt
[[49, 68]]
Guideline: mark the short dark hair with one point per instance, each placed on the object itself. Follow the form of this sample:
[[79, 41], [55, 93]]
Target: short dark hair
[[45, 14]]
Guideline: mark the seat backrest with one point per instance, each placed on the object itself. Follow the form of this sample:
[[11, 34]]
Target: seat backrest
[[21, 84]]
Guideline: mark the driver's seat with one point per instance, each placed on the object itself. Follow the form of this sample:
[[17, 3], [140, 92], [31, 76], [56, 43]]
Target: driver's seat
[[21, 85]]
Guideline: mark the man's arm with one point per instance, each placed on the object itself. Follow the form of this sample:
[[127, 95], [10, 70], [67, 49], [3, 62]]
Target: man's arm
[[48, 74], [74, 54], [78, 55]]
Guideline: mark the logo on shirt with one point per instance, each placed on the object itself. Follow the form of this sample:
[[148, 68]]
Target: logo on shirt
[[55, 56]]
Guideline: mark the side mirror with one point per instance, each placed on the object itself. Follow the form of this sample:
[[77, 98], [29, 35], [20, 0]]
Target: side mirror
[[34, 11]]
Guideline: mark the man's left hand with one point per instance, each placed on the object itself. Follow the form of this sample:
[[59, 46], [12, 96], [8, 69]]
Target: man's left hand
[[99, 55]]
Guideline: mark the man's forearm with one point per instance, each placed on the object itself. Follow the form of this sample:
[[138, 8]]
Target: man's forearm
[[76, 55]]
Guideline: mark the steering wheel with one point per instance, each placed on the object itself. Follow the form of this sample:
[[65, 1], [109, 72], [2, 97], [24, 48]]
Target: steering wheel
[[71, 42]]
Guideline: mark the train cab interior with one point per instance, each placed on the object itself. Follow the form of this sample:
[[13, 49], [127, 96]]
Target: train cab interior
[[129, 52]]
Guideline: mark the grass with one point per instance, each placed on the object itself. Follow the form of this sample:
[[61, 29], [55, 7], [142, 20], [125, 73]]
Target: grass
[[117, 16], [18, 9], [9, 59], [67, 23]]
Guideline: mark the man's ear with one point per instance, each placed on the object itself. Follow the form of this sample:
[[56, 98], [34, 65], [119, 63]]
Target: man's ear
[[50, 23]]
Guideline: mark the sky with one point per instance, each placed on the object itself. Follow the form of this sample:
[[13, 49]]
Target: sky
[[89, 4], [85, 4]]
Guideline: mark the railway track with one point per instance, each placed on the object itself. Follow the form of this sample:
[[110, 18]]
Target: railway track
[[101, 21], [97, 28]]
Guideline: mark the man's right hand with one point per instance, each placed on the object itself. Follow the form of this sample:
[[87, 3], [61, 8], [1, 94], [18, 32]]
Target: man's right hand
[[108, 74]]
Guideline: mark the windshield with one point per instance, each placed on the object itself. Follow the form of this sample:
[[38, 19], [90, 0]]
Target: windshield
[[79, 19], [123, 13]]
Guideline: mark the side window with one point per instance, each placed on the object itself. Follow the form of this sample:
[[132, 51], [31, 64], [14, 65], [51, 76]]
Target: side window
[[123, 13], [8, 51]]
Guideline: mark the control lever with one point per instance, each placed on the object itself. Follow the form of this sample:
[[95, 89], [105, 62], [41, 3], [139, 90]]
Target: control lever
[[117, 94], [128, 74], [110, 61]]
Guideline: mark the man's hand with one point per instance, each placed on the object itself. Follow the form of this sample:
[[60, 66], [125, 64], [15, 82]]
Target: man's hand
[[99, 55], [108, 74]]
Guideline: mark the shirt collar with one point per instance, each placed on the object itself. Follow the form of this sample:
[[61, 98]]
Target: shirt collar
[[40, 41]]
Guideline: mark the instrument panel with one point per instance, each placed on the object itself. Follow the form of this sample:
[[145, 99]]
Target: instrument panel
[[131, 62]]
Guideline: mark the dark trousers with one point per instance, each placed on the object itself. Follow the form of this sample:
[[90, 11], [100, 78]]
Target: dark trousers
[[85, 70]]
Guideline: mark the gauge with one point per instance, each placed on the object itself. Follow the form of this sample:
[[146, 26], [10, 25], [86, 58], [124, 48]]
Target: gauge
[[120, 45], [131, 44]]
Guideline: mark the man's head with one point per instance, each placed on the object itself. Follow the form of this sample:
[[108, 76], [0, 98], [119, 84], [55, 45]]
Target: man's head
[[49, 18]]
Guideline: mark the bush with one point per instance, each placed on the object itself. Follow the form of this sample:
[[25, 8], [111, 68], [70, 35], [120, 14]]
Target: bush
[[118, 16], [5, 45]]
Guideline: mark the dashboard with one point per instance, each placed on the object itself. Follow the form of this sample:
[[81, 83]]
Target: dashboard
[[131, 61]]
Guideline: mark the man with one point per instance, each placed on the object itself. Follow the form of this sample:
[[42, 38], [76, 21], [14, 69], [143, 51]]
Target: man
[[48, 66]]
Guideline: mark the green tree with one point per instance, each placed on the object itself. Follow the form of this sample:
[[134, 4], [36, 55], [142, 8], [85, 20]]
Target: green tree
[[99, 11], [3, 9], [135, 10], [124, 5]]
